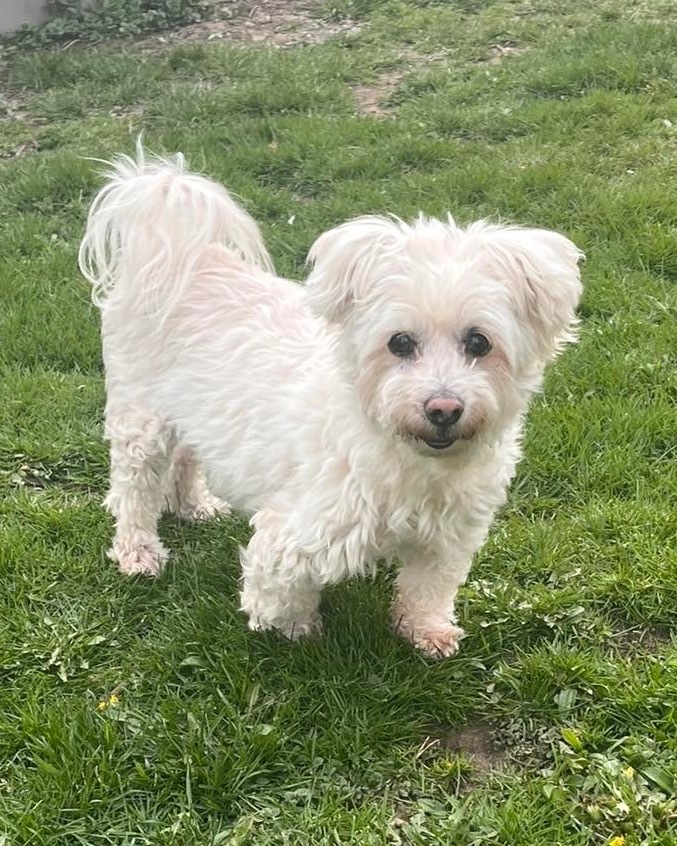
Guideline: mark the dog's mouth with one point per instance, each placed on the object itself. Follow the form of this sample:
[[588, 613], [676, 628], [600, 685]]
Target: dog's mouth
[[427, 442], [439, 443]]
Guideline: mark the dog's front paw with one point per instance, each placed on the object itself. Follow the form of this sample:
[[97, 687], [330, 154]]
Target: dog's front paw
[[144, 560], [436, 639], [438, 643]]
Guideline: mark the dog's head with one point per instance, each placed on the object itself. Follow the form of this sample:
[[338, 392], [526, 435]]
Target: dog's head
[[446, 331]]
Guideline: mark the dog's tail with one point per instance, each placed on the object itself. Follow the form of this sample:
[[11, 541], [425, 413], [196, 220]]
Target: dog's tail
[[149, 225]]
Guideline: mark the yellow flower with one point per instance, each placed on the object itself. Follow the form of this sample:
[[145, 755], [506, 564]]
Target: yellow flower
[[629, 772], [618, 840], [113, 701], [102, 705]]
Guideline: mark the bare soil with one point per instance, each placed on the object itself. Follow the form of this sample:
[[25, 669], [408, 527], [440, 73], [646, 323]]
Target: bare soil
[[267, 23]]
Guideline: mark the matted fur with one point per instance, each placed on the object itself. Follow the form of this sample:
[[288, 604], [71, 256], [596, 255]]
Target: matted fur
[[289, 398]]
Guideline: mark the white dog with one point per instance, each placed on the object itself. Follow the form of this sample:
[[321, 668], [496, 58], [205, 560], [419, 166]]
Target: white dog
[[373, 413]]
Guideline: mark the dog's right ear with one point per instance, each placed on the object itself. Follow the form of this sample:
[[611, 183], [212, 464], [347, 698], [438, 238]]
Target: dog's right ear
[[345, 261]]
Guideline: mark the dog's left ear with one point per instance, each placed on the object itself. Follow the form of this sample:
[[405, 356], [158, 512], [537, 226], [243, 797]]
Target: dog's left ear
[[346, 261], [545, 281]]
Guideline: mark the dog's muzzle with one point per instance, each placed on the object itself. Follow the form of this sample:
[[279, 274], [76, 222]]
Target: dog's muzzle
[[442, 412]]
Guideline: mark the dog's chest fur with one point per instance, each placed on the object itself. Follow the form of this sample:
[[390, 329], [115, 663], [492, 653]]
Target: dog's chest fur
[[420, 503]]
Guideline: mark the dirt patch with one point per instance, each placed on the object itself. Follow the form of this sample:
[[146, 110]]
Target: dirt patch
[[498, 52], [266, 23], [466, 755], [20, 150], [11, 108], [12, 112], [478, 744], [373, 99], [636, 642]]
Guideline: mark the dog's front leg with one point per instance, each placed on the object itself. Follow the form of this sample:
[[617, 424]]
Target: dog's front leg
[[423, 611], [279, 589]]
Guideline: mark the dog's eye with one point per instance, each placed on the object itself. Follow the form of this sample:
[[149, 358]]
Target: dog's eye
[[476, 344], [402, 345]]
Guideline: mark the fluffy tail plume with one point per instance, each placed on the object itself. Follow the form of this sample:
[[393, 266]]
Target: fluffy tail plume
[[149, 225]]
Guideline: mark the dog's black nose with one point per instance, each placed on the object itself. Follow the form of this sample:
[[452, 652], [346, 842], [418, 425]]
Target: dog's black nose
[[443, 411]]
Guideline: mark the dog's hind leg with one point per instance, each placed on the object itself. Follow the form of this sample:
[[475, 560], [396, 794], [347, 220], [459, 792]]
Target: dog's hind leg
[[189, 496], [141, 446]]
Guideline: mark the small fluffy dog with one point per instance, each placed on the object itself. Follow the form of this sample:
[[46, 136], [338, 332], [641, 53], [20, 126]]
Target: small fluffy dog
[[373, 413]]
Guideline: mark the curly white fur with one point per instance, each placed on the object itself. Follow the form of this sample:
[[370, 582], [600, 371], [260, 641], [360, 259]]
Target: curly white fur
[[292, 399]]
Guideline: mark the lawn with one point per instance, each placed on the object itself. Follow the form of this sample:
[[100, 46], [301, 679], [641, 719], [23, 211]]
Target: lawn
[[144, 712]]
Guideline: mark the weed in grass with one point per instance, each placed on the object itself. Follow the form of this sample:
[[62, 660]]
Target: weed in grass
[[79, 20]]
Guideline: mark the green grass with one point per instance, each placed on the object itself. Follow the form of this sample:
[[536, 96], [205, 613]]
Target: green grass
[[569, 671]]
